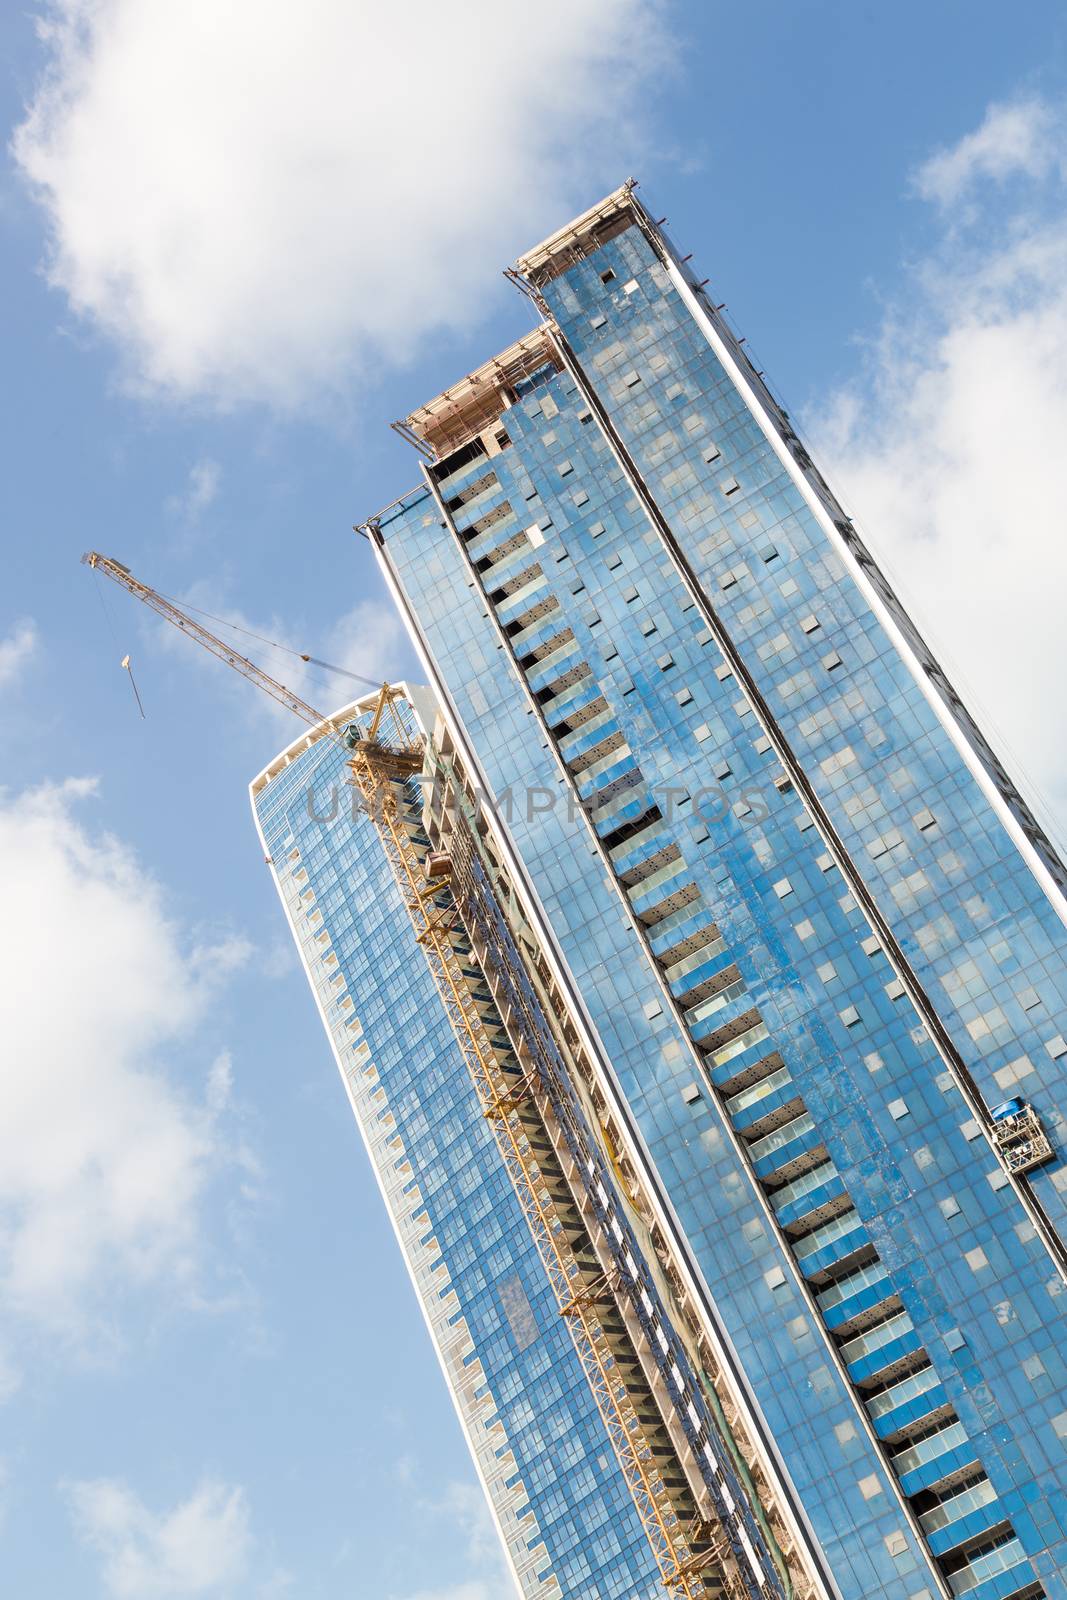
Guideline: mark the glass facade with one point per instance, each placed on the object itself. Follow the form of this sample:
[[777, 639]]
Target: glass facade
[[540, 1446], [810, 926]]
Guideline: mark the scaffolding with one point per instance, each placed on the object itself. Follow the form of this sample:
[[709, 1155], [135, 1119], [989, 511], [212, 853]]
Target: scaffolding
[[459, 415], [385, 774], [697, 1496]]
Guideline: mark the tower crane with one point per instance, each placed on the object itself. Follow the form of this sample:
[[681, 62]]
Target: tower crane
[[697, 1558]]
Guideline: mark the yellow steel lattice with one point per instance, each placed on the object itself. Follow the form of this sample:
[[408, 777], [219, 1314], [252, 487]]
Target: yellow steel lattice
[[371, 769]]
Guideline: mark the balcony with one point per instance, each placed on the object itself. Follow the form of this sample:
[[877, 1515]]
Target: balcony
[[927, 1461], [481, 493], [685, 924], [993, 1574], [807, 1194], [834, 1242], [711, 1005], [459, 484], [553, 664], [907, 1402], [857, 1292], [923, 1451], [688, 974], [678, 899], [575, 746], [876, 1349], [570, 699], [631, 831], [543, 666], [607, 780], [511, 606], [961, 1518], [718, 1011], [633, 852], [487, 541], [731, 1056], [499, 572], [786, 1151], [473, 479], [539, 632], [647, 890], [618, 809], [771, 1095]]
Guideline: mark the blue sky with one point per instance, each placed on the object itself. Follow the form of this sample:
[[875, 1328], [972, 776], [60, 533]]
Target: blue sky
[[235, 248]]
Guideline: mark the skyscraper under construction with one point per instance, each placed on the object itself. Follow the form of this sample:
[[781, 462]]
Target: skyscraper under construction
[[698, 978]]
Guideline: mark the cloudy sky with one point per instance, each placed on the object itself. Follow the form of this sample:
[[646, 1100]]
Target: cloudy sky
[[237, 241]]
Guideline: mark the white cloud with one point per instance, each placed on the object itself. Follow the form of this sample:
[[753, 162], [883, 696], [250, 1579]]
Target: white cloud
[[464, 1506], [1022, 137], [368, 642], [104, 1162], [16, 650], [220, 958], [951, 448], [258, 202], [200, 1547], [220, 1082], [461, 1506], [201, 489]]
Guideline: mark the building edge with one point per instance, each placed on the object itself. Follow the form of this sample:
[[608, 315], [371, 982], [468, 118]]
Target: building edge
[[472, 1416]]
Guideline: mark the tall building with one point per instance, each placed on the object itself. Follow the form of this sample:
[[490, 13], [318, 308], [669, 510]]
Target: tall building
[[694, 884], [538, 1441]]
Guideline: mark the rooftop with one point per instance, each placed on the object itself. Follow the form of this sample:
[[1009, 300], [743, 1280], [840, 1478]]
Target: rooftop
[[449, 421], [578, 239], [467, 407]]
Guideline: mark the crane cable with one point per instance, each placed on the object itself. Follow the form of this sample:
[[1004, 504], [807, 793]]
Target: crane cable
[[287, 649], [274, 644], [125, 662]]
